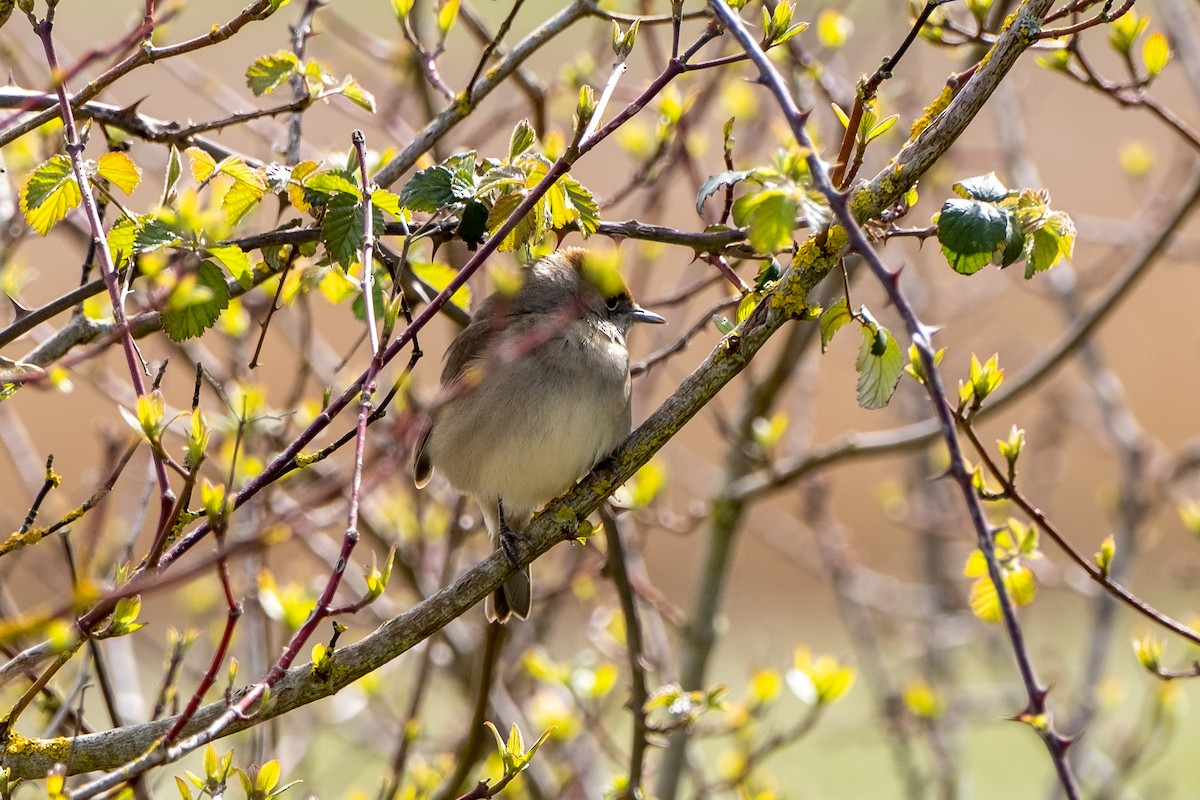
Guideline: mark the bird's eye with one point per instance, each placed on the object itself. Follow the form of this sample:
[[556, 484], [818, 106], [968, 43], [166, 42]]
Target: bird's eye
[[613, 303]]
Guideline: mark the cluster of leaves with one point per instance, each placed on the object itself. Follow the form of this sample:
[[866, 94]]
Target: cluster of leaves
[[268, 73], [193, 287], [257, 782], [751, 723], [483, 193], [1015, 545], [989, 223], [1123, 35], [870, 126], [51, 190], [784, 198]]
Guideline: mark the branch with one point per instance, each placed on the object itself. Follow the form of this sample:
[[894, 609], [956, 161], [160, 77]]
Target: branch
[[298, 686], [257, 10]]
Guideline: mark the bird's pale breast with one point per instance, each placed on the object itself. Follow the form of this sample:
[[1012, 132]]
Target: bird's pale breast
[[535, 425]]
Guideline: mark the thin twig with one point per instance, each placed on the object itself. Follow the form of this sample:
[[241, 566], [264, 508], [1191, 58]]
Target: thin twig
[[638, 695]]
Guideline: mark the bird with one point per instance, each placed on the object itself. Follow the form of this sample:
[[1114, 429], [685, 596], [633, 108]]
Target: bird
[[535, 392]]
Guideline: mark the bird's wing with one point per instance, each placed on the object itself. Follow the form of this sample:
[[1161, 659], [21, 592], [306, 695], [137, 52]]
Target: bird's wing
[[468, 347], [422, 464]]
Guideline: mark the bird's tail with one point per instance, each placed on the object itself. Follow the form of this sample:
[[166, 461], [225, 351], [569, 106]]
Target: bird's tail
[[514, 598]]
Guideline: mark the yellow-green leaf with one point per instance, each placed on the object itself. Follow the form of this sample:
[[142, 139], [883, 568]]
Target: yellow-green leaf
[[923, 700], [49, 193], [1021, 585], [119, 169], [237, 261], [984, 601], [353, 91], [337, 286], [447, 15], [833, 28], [439, 276], [1156, 52], [203, 165], [1149, 651], [268, 776], [267, 73]]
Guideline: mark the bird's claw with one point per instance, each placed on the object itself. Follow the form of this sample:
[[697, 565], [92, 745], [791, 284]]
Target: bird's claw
[[507, 539], [508, 543]]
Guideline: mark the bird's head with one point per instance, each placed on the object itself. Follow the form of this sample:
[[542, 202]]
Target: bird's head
[[577, 277]]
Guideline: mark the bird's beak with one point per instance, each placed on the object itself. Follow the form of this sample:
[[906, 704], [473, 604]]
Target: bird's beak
[[639, 314]]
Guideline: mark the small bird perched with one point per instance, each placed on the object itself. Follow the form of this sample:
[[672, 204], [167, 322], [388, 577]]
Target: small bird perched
[[535, 391]]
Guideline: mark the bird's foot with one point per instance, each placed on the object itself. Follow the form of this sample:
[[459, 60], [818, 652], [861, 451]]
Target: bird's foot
[[508, 541]]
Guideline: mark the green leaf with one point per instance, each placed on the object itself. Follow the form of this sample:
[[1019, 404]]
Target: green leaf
[[770, 217], [1014, 243], [328, 184], [462, 174], [1053, 241], [240, 200], [342, 229], [268, 73], [795, 30], [746, 306], [831, 320], [249, 186], [715, 182], [880, 364], [194, 306], [1149, 651], [1125, 29], [6, 9], [987, 188], [154, 233], [331, 182], [337, 286], [531, 226], [119, 170], [49, 193], [171, 178], [984, 601], [268, 776], [1021, 585], [587, 212], [521, 140], [882, 127], [970, 232], [500, 177], [473, 223], [428, 190]]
